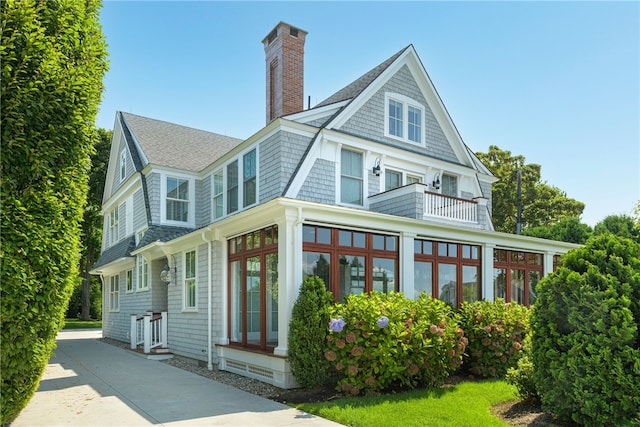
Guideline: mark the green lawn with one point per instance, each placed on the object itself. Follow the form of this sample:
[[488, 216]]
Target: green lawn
[[81, 324], [466, 404]]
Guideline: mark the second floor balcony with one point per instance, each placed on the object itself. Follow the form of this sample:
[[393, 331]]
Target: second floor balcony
[[415, 201]]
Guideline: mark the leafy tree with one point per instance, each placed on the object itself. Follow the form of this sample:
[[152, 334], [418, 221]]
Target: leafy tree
[[568, 229], [53, 60], [620, 225], [542, 204], [86, 297], [586, 337]]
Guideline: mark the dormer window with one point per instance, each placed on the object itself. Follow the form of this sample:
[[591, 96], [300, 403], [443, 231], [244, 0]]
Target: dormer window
[[404, 118], [177, 199]]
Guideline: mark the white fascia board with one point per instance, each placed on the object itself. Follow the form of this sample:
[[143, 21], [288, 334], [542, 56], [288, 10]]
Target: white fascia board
[[316, 113], [359, 101], [115, 266], [117, 138]]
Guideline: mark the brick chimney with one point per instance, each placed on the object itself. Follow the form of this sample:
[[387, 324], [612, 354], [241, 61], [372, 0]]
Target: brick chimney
[[284, 52]]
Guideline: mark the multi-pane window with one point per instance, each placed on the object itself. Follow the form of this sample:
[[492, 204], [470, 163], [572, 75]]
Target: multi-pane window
[[396, 122], [447, 271], [392, 179], [249, 178], [129, 281], [450, 185], [218, 195], [515, 275], [190, 283], [351, 181], [415, 124], [114, 234], [143, 274], [405, 118], [232, 187], [253, 289], [114, 293], [177, 199], [123, 165], [413, 179], [350, 262]]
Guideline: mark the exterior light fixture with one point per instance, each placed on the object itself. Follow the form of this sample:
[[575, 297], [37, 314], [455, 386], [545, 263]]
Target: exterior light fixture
[[165, 274], [376, 167], [436, 181]]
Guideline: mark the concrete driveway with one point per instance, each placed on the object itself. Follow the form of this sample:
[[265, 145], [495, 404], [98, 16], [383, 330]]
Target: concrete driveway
[[90, 383]]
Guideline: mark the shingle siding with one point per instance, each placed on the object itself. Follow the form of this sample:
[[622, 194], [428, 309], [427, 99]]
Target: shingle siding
[[320, 185], [139, 211], [279, 156], [153, 187], [203, 202], [409, 205], [369, 120]]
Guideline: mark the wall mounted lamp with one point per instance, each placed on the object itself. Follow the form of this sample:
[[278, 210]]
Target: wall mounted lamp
[[168, 273], [436, 181], [376, 167]]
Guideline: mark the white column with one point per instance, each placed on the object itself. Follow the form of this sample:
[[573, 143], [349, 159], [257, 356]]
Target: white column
[[407, 279], [487, 271], [134, 332], [220, 265], [289, 273], [547, 263]]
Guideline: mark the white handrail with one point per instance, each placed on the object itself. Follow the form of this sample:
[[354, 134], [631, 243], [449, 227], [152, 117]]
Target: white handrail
[[450, 207], [149, 331]]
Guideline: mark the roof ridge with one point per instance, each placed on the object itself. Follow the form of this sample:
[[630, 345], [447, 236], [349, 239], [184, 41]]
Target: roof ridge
[[179, 125], [356, 87]]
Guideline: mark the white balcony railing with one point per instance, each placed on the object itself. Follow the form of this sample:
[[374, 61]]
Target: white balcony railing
[[149, 331], [452, 208]]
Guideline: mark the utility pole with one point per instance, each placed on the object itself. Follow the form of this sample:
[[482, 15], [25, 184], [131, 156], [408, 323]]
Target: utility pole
[[519, 217]]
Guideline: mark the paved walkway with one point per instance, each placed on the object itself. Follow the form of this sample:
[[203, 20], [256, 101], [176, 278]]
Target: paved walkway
[[90, 383]]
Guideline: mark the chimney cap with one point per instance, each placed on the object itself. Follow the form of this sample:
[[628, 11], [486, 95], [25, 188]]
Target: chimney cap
[[273, 33]]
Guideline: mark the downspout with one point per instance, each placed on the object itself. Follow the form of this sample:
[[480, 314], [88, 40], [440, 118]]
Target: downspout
[[209, 322]]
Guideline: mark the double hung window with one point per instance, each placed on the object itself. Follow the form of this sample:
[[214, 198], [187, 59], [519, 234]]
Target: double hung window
[[129, 281], [232, 187], [218, 195], [404, 118], [249, 178], [114, 293], [190, 283], [123, 165], [351, 180], [177, 199], [114, 233], [143, 274]]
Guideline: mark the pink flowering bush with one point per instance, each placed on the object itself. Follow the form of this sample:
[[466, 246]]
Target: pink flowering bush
[[386, 339], [496, 332]]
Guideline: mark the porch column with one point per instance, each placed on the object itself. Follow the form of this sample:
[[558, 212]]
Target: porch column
[[289, 273], [547, 263], [487, 271], [406, 267]]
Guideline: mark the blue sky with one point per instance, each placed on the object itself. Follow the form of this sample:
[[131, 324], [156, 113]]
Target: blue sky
[[556, 82]]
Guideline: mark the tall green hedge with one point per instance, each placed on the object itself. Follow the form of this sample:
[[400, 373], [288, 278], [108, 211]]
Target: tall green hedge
[[53, 61], [586, 334], [308, 330]]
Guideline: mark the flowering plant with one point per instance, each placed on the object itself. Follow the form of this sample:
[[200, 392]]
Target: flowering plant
[[376, 340]]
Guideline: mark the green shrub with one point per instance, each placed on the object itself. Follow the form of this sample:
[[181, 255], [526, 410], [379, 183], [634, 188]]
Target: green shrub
[[377, 340], [307, 333], [585, 340], [496, 332], [522, 376]]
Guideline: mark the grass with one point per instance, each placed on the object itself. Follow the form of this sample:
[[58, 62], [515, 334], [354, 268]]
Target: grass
[[81, 324], [466, 404]]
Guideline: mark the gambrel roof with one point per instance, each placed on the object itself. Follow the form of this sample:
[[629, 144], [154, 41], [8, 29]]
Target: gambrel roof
[[175, 146]]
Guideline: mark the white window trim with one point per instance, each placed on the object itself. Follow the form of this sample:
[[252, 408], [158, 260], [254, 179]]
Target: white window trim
[[123, 165], [225, 184], [114, 226], [406, 102], [139, 281], [186, 308], [112, 293], [365, 184], [191, 219], [129, 275]]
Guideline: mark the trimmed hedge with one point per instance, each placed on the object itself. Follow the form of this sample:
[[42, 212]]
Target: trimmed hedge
[[308, 332], [496, 333], [379, 340], [585, 340]]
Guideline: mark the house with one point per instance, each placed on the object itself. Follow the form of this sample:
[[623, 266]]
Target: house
[[371, 189]]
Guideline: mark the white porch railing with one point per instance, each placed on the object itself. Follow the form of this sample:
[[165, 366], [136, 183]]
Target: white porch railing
[[149, 331], [449, 207]]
